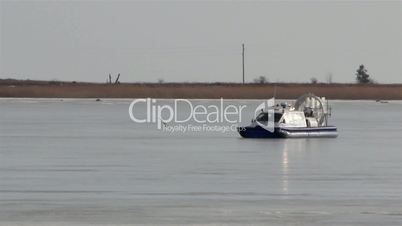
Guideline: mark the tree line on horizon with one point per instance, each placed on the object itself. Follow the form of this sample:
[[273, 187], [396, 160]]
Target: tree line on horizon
[[362, 77]]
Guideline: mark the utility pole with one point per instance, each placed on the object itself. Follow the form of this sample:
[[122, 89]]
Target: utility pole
[[243, 60]]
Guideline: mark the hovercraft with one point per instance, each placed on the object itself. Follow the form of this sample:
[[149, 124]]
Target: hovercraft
[[308, 117]]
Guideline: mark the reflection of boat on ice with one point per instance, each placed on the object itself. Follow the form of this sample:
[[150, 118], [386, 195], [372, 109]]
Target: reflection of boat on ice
[[308, 117]]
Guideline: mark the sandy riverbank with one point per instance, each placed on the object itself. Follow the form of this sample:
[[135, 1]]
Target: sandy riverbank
[[200, 90]]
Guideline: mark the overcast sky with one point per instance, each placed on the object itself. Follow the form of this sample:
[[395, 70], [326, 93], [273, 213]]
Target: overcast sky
[[200, 41]]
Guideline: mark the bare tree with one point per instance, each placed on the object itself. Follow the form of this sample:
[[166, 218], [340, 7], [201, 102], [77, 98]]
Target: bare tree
[[329, 77], [117, 79], [261, 80], [314, 80]]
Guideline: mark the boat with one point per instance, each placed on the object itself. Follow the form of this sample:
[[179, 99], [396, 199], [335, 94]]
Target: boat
[[308, 117]]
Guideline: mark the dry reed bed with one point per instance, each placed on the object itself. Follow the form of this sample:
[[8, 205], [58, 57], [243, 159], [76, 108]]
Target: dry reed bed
[[207, 91]]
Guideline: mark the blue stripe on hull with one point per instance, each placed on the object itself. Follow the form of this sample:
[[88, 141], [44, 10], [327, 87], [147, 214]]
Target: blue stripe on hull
[[314, 129], [257, 132], [295, 132]]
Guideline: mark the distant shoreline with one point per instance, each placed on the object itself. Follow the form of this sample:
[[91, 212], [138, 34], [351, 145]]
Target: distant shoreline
[[53, 89]]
